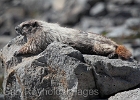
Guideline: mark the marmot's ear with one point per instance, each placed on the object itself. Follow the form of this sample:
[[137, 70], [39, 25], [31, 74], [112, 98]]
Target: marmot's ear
[[35, 24]]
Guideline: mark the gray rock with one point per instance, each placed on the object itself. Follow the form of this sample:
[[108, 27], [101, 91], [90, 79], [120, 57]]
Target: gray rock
[[98, 9], [1, 71], [118, 21], [4, 40], [127, 95], [61, 73], [121, 2], [113, 75], [58, 5], [2, 97], [69, 12], [89, 23], [137, 1], [136, 52], [121, 11], [133, 23], [136, 43], [9, 19], [137, 58], [42, 4], [119, 31], [56, 74]]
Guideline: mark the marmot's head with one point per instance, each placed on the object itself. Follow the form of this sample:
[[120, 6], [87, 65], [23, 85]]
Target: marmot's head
[[34, 26], [27, 27]]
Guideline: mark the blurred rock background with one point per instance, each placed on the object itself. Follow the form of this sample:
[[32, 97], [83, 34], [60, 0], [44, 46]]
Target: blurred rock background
[[117, 19]]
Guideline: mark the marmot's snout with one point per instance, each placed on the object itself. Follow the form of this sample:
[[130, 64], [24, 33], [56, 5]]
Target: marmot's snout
[[18, 30]]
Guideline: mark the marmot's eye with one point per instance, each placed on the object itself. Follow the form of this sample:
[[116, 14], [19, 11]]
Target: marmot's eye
[[35, 24], [26, 26]]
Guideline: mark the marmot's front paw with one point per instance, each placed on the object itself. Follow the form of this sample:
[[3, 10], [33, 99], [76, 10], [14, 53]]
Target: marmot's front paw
[[112, 56]]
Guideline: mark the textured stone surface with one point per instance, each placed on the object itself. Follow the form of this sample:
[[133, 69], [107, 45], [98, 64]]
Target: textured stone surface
[[127, 95], [98, 16], [120, 31], [63, 73], [133, 23], [2, 97], [113, 75], [122, 2], [98, 9], [56, 74]]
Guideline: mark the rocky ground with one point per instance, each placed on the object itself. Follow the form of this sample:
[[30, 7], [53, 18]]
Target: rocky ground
[[117, 19]]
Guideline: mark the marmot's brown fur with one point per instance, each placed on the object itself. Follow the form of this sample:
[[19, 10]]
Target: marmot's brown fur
[[40, 34]]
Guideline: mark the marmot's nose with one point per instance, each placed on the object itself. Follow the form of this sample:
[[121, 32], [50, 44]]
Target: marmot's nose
[[16, 28]]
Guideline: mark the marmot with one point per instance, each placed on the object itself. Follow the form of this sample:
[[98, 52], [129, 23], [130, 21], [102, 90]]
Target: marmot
[[40, 34]]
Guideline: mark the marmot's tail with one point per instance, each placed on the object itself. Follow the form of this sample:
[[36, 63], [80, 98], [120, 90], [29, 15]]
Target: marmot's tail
[[123, 52]]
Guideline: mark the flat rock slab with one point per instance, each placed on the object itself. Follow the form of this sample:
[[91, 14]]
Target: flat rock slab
[[113, 75], [127, 95]]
